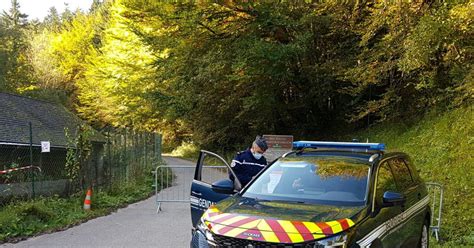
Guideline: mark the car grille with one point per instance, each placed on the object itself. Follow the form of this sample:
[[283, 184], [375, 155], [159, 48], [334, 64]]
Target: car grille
[[223, 241]]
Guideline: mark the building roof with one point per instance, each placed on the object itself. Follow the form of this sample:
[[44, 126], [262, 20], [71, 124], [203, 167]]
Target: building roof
[[48, 120]]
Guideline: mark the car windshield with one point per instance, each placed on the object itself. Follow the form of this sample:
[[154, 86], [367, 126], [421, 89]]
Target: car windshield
[[328, 180]]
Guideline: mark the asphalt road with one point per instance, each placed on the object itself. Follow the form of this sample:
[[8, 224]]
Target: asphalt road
[[137, 225]]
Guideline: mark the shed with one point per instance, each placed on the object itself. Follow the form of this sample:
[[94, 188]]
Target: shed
[[48, 123]]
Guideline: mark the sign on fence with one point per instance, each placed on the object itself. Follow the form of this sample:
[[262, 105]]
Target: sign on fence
[[278, 145], [45, 146]]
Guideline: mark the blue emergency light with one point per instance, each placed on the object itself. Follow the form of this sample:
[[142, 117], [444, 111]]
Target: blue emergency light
[[339, 145]]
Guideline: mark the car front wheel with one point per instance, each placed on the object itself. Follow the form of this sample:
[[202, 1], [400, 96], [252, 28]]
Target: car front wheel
[[425, 237]]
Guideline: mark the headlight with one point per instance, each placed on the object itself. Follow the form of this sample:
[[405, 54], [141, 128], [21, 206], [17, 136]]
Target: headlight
[[205, 230], [337, 241]]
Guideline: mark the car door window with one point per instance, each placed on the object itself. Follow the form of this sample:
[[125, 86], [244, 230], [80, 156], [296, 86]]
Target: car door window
[[385, 182], [213, 169], [402, 174], [414, 173]]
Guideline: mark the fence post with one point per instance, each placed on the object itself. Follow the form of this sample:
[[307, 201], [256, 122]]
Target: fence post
[[158, 146], [117, 151], [145, 146], [127, 156], [109, 159], [31, 161], [153, 142], [143, 150]]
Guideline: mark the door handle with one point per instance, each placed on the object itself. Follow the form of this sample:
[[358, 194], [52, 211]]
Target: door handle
[[196, 193]]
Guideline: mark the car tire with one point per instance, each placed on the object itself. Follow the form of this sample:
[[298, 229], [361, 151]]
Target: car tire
[[425, 236]]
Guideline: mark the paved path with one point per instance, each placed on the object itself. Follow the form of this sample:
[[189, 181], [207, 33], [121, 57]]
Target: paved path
[[137, 225]]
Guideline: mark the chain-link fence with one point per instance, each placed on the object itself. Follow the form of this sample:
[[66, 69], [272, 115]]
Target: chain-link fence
[[129, 155], [105, 160], [27, 172]]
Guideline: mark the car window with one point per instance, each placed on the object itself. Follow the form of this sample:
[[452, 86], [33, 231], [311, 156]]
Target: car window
[[385, 182], [413, 172], [402, 174], [213, 170], [320, 180]]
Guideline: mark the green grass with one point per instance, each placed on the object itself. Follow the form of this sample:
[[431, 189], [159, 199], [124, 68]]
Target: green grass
[[441, 146], [21, 219]]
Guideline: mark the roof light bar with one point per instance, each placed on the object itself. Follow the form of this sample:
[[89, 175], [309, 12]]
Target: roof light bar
[[339, 145]]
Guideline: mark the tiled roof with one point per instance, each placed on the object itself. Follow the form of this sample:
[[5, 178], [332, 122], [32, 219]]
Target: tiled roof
[[48, 121]]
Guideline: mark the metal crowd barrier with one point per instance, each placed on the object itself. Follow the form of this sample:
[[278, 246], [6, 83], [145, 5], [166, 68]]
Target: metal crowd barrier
[[435, 191], [173, 182]]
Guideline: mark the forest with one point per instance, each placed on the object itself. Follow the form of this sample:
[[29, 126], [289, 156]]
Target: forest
[[213, 75], [218, 73]]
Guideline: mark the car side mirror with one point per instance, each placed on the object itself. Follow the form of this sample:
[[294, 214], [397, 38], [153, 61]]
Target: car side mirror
[[391, 199], [224, 186]]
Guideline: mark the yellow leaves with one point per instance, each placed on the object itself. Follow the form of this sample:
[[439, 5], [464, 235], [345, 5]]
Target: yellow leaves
[[117, 79], [23, 90], [70, 47], [164, 54], [462, 16]]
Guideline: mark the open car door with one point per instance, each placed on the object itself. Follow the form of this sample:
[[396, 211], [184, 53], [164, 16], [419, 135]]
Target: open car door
[[211, 183]]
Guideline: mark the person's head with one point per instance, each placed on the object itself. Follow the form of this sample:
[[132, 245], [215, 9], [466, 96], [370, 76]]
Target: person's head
[[259, 146]]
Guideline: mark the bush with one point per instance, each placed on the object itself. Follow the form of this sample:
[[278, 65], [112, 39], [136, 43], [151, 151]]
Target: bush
[[187, 150]]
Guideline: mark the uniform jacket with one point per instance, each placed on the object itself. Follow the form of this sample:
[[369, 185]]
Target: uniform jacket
[[246, 166]]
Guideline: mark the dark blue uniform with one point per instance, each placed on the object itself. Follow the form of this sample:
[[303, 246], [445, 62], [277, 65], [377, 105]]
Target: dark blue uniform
[[246, 166]]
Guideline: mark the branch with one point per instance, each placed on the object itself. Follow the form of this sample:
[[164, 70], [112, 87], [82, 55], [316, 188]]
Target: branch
[[208, 28]]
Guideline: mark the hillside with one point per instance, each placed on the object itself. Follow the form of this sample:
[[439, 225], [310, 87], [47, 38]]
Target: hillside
[[441, 146]]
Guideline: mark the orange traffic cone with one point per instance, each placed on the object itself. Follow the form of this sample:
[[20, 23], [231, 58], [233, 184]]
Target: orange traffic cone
[[87, 201]]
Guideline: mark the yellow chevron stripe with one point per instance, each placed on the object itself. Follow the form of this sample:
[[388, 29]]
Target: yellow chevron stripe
[[217, 216], [232, 220], [250, 225], [350, 222], [312, 227], [319, 236], [234, 232], [335, 226], [216, 228], [292, 232], [267, 235]]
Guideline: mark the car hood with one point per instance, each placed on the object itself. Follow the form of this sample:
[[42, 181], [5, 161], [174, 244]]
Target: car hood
[[279, 222]]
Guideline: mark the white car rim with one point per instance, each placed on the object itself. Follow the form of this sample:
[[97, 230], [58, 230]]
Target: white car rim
[[424, 237]]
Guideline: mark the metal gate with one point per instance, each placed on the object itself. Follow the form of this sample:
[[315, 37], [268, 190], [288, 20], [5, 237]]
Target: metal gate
[[435, 191], [173, 182]]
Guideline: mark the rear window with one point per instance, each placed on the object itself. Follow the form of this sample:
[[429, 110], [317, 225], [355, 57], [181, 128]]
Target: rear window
[[330, 180]]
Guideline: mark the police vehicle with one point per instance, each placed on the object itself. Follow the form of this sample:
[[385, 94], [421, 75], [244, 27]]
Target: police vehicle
[[323, 194]]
